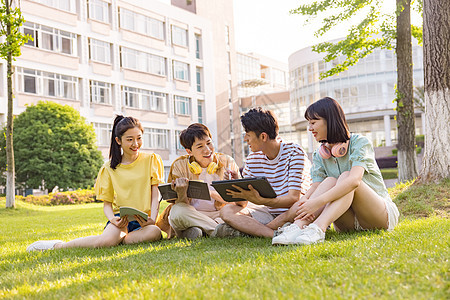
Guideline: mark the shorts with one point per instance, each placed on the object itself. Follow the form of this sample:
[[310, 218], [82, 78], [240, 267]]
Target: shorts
[[260, 213], [132, 226], [392, 212]]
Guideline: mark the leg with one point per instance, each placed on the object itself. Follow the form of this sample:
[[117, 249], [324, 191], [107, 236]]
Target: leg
[[148, 233], [111, 236], [241, 219], [183, 216]]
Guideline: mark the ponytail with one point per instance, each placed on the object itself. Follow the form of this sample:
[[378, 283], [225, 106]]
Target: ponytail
[[121, 124]]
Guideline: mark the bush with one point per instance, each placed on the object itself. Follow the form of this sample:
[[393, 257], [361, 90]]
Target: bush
[[61, 198]]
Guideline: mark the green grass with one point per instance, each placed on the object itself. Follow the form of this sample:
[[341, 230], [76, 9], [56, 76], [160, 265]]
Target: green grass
[[409, 262], [389, 173]]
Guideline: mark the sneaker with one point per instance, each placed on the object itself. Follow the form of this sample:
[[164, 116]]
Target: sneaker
[[225, 230], [43, 245], [311, 234], [191, 233], [281, 229], [288, 236]]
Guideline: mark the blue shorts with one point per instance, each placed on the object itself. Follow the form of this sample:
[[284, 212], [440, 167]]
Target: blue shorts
[[132, 226]]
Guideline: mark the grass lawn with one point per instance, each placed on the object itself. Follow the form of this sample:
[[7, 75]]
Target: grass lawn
[[391, 173], [409, 262]]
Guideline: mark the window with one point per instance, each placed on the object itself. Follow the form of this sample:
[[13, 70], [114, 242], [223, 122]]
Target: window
[[182, 105], [198, 46], [201, 111], [47, 84], [180, 70], [142, 24], [179, 36], [49, 38], [198, 73], [67, 5], [98, 10], [100, 92], [156, 138], [100, 51], [103, 132], [142, 61], [144, 99], [178, 145]]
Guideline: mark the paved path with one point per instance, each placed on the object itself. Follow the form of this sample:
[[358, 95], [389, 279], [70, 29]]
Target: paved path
[[390, 182]]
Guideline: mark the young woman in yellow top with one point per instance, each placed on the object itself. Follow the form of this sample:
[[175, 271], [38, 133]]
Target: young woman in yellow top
[[129, 178]]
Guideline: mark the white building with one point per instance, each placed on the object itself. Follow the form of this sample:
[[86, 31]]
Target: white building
[[366, 92], [138, 58]]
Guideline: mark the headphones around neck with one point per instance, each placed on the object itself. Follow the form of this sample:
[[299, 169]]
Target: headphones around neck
[[196, 169], [338, 150]]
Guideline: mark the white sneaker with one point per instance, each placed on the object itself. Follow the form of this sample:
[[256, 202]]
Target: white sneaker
[[311, 234], [43, 245], [288, 236], [280, 230]]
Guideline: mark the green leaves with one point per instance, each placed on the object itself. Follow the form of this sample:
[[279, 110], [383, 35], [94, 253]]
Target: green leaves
[[54, 145]]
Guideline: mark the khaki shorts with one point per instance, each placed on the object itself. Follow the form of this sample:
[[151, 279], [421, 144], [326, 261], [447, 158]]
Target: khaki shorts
[[259, 212]]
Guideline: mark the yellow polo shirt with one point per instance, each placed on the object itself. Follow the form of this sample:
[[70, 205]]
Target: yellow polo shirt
[[130, 185]]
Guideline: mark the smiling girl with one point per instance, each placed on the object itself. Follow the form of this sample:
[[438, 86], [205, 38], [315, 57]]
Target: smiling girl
[[131, 179], [347, 190]]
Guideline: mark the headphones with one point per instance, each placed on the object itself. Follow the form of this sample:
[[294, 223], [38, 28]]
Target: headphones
[[338, 150], [196, 169]]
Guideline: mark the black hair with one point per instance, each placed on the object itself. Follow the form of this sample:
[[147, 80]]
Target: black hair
[[121, 125], [259, 120], [196, 130], [329, 109]]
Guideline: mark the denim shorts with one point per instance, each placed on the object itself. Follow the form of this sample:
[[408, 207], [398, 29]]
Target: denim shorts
[[132, 226]]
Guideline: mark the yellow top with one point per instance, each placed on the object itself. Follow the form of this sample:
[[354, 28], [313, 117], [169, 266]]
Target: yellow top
[[131, 183]]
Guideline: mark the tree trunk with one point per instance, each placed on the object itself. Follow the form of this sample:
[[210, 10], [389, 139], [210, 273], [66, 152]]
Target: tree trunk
[[10, 172], [406, 154], [436, 46]]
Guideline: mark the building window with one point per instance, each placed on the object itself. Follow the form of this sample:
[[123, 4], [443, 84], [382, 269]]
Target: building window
[[49, 38], [100, 51], [103, 132], [201, 111], [180, 70], [142, 61], [198, 74], [156, 138], [47, 84], [98, 10], [198, 46], [179, 36], [178, 145], [182, 105], [144, 99], [100, 92], [142, 24], [67, 5]]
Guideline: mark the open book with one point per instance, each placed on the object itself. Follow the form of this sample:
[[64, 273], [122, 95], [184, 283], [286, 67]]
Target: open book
[[131, 212], [258, 183], [196, 189]]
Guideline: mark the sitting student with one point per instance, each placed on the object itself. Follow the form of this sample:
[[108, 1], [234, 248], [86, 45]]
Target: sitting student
[[347, 190], [285, 166], [134, 177], [190, 218]]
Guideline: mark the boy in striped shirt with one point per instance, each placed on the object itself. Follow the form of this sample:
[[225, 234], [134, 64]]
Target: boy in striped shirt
[[285, 166]]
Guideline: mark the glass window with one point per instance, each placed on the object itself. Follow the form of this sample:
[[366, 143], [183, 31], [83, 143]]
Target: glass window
[[142, 61], [156, 138], [100, 51], [98, 10], [178, 145], [103, 132], [131, 97], [182, 105], [67, 5], [180, 70], [198, 45], [139, 23], [201, 111], [144, 99], [179, 36], [49, 38], [100, 92], [198, 73]]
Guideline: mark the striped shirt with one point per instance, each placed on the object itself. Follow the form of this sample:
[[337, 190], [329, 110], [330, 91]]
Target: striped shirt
[[290, 170]]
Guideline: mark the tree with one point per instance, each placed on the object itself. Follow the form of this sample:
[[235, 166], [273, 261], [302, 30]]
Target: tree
[[54, 147], [10, 21], [436, 33], [375, 30]]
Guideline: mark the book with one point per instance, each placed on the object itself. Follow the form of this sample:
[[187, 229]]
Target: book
[[258, 183], [131, 212], [196, 189]]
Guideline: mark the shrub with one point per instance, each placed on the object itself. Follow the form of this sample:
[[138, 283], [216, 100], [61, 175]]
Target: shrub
[[61, 198]]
